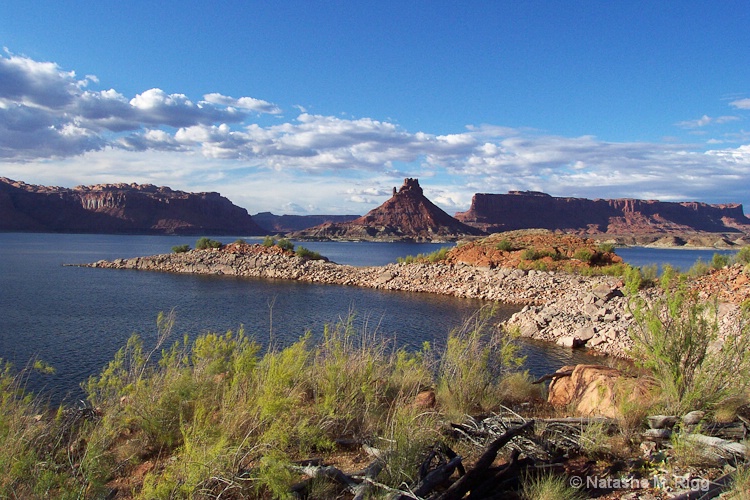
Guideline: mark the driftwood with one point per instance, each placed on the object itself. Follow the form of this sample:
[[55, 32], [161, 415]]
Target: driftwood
[[550, 376], [362, 490], [470, 480], [719, 448], [736, 431]]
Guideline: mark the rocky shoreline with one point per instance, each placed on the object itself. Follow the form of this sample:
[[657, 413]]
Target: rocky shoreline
[[569, 309]]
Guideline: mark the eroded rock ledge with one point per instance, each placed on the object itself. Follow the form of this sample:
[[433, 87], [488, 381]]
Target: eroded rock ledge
[[558, 307]]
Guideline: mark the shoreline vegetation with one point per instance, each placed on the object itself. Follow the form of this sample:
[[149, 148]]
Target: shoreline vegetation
[[351, 416]]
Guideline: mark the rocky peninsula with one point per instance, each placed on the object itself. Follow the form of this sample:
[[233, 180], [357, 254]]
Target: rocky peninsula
[[570, 309]]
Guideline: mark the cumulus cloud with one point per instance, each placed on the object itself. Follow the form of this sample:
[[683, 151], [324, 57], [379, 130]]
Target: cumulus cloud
[[48, 112]]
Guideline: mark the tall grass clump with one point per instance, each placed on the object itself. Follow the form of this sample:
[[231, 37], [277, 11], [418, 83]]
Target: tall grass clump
[[475, 359], [549, 487], [217, 405], [41, 451], [217, 416], [676, 337]]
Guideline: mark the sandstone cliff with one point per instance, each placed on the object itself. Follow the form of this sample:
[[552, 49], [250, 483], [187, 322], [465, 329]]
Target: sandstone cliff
[[522, 210], [407, 215], [119, 208]]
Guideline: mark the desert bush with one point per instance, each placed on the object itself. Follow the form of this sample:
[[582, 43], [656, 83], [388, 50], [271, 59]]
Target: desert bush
[[206, 243], [285, 244], [181, 248], [719, 261], [584, 255], [675, 336], [529, 254], [432, 257], [307, 254], [38, 448], [505, 245], [609, 270], [606, 247], [699, 268], [743, 255], [268, 241]]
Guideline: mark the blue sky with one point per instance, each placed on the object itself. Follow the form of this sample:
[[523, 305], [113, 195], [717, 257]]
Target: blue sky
[[323, 107]]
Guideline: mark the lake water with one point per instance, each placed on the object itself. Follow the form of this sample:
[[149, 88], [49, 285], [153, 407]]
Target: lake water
[[679, 258], [75, 318]]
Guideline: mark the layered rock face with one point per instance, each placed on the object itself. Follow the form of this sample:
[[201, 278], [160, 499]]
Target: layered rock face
[[407, 215], [119, 208], [528, 209]]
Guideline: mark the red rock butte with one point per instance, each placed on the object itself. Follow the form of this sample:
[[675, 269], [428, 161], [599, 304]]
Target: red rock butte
[[407, 215]]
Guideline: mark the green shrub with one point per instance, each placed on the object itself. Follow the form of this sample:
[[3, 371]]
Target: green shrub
[[285, 244], [432, 257], [606, 247], [674, 337], [206, 243], [307, 254], [699, 268], [181, 248], [269, 241], [743, 255], [505, 245], [719, 261], [529, 254], [584, 255]]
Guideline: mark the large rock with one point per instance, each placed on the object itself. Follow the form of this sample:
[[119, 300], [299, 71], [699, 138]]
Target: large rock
[[594, 390]]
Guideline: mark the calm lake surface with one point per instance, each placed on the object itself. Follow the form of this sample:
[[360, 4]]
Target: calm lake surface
[[76, 318]]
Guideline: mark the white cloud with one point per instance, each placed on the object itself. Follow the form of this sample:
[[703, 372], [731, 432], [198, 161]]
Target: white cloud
[[741, 103], [707, 120], [248, 103]]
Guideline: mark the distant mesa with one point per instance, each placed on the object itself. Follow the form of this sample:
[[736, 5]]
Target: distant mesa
[[290, 223], [407, 216], [531, 209], [120, 209]]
